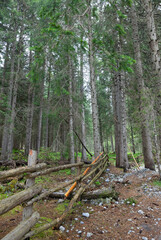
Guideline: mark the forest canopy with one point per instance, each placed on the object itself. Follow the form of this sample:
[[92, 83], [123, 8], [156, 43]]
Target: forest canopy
[[80, 76]]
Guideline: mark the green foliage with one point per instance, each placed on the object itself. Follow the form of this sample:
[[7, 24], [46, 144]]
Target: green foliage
[[66, 171], [97, 183], [130, 201], [121, 15], [62, 207], [156, 183], [120, 29], [125, 63], [112, 157], [47, 155], [95, 12], [44, 234], [19, 155], [127, 2], [3, 195]]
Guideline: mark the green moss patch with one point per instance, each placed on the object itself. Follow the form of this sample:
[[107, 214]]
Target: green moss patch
[[157, 183], [44, 234], [62, 207]]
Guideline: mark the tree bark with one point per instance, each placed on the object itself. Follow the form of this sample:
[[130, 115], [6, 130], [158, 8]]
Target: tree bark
[[132, 140], [18, 198], [40, 111], [46, 144], [95, 119], [71, 128], [30, 113], [156, 60], [13, 113], [23, 228], [120, 121], [9, 103], [146, 139], [84, 155], [112, 145], [21, 170], [102, 193]]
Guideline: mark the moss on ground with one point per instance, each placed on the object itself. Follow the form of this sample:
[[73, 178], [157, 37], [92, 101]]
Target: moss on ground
[[44, 234]]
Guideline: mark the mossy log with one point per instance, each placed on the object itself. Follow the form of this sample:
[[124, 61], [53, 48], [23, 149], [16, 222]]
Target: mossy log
[[57, 222], [18, 171], [102, 193], [23, 228], [18, 198]]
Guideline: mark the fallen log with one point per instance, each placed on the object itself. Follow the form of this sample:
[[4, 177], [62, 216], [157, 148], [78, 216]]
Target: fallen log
[[101, 193], [18, 198], [54, 169], [23, 228], [55, 223], [47, 193], [18, 171]]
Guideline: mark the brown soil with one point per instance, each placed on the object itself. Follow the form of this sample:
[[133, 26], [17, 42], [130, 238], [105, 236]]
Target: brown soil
[[119, 221]]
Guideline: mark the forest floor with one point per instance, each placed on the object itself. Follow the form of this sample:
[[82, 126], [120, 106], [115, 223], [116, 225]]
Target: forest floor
[[136, 214]]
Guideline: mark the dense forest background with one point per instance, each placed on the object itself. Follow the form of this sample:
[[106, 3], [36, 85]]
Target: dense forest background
[[80, 76]]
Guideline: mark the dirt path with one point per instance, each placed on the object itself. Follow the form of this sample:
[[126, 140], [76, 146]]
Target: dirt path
[[139, 217]]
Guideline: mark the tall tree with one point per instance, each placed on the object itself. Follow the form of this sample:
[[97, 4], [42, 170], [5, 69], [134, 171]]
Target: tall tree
[[95, 119], [146, 139]]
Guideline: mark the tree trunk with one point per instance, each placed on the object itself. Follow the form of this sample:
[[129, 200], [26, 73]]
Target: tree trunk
[[95, 119], [46, 144], [18, 198], [155, 57], [71, 128], [13, 114], [84, 155], [132, 140], [146, 139], [120, 121], [6, 59], [30, 112], [112, 146], [40, 111], [9, 105], [23, 228]]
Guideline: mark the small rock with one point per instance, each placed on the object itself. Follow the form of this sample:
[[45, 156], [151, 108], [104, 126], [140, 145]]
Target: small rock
[[76, 219], [141, 212], [89, 234], [85, 215], [130, 231], [107, 180], [61, 228], [81, 222], [107, 170], [79, 232], [144, 238]]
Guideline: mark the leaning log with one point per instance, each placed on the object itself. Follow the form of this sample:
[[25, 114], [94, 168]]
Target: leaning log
[[57, 188], [23, 228], [18, 198], [56, 223], [18, 171]]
